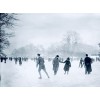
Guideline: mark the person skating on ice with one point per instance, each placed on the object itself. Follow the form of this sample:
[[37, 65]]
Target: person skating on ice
[[41, 66]]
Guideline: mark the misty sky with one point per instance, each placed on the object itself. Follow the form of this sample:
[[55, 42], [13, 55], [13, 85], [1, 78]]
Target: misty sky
[[46, 29]]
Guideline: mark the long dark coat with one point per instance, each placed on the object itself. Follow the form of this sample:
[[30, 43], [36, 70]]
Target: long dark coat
[[67, 65], [88, 62]]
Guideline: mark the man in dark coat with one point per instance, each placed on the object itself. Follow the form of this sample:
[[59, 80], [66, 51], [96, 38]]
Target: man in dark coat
[[40, 62], [87, 62]]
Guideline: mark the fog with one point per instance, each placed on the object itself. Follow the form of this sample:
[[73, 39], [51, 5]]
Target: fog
[[48, 28]]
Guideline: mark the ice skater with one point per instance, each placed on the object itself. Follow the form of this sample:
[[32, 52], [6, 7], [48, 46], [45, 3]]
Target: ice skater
[[56, 64], [40, 62], [81, 63], [20, 61], [67, 65], [87, 62]]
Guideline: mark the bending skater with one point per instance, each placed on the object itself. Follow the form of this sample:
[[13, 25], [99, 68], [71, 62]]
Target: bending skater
[[40, 62]]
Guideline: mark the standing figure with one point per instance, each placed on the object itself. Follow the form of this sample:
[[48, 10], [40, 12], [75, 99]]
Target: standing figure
[[20, 61], [81, 63], [16, 60], [40, 62], [56, 64], [5, 59], [67, 65], [10, 58], [87, 62], [1, 59]]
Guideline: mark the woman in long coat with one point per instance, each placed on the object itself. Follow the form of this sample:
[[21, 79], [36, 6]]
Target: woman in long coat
[[56, 64], [67, 65]]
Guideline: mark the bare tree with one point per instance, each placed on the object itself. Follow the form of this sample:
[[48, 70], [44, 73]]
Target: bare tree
[[70, 41], [7, 21]]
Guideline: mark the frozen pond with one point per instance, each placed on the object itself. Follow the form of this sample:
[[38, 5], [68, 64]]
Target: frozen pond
[[27, 75]]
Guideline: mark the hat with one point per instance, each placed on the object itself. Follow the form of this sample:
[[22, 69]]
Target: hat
[[38, 54], [57, 55], [86, 54], [68, 58]]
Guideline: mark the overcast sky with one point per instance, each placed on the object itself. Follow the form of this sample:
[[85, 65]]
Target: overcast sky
[[49, 28]]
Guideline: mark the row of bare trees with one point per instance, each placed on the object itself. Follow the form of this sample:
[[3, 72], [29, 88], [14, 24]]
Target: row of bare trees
[[67, 46]]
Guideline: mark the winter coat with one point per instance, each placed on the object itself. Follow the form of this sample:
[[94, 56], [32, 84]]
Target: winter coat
[[88, 62], [55, 64], [40, 62], [67, 65]]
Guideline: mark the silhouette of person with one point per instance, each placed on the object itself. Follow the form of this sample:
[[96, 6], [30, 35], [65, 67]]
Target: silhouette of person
[[2, 59], [10, 58], [87, 62], [40, 62], [16, 60], [67, 65], [5, 59], [20, 61], [56, 64], [81, 63]]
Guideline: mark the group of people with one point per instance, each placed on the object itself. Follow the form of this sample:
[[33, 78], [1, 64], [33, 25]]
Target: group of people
[[40, 63], [16, 59], [86, 62], [3, 59]]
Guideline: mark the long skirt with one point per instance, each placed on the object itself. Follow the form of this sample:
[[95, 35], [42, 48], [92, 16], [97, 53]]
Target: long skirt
[[55, 67], [66, 68]]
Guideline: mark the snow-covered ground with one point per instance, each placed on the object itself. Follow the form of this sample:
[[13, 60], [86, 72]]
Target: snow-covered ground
[[27, 75]]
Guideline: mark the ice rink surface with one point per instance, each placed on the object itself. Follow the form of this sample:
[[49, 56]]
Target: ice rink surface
[[26, 75]]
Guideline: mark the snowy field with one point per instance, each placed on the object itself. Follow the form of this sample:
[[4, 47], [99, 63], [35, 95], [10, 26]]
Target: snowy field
[[27, 75]]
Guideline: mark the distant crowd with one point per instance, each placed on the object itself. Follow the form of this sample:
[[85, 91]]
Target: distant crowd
[[15, 59]]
